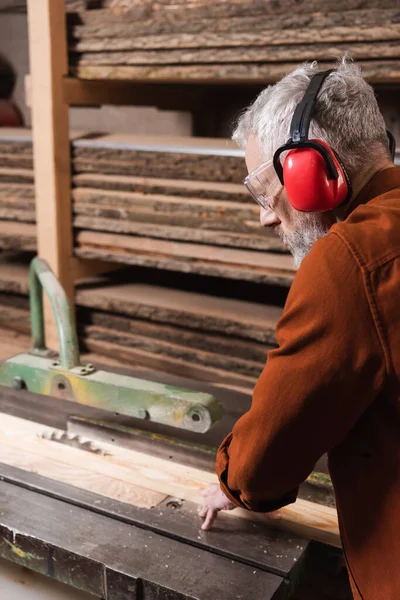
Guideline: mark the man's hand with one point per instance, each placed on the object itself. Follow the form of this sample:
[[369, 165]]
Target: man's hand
[[214, 501]]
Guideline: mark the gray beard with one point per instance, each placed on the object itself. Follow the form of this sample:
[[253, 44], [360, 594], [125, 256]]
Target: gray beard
[[303, 238]]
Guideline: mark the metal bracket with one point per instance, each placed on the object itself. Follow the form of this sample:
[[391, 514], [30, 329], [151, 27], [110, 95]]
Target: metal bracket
[[39, 371]]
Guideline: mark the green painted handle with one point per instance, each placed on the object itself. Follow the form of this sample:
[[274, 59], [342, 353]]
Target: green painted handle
[[42, 277]]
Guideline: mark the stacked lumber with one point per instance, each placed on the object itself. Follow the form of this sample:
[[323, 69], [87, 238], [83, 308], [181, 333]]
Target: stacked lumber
[[239, 41], [200, 336], [194, 218], [17, 194]]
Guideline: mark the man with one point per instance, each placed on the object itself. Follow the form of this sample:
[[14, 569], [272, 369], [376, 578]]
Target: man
[[333, 383]]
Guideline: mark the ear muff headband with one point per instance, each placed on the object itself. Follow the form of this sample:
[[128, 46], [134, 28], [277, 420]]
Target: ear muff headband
[[302, 116], [392, 143], [299, 130], [331, 197]]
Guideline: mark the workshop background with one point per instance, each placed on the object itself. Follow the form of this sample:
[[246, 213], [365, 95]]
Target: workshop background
[[173, 274]]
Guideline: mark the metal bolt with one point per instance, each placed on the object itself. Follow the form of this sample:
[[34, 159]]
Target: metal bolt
[[18, 383], [143, 414]]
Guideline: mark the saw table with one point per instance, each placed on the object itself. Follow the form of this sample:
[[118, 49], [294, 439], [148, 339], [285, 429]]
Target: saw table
[[100, 473]]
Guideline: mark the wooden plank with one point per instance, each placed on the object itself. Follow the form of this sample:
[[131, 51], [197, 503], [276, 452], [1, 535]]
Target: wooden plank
[[165, 364], [12, 343], [48, 65], [78, 476], [269, 262], [270, 35], [250, 54], [157, 203], [113, 144], [375, 71], [184, 310], [17, 194], [14, 274], [193, 311], [217, 343], [16, 176], [16, 320], [151, 253], [16, 161], [209, 168], [226, 9], [219, 351], [145, 225], [349, 24], [23, 215], [17, 236], [157, 474], [158, 185], [175, 351]]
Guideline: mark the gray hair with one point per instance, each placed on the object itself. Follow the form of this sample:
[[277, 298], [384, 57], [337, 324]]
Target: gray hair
[[346, 115]]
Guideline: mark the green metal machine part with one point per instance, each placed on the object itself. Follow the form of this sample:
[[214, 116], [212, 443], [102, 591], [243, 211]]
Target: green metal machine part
[[42, 372]]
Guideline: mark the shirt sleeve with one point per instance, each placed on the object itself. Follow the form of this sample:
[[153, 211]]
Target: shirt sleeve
[[328, 367]]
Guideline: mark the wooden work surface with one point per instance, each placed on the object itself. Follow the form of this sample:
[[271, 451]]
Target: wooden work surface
[[72, 540]]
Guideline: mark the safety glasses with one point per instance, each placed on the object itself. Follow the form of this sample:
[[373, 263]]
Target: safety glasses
[[263, 184]]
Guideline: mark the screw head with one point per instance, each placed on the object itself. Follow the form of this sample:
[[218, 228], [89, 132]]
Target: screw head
[[18, 383], [143, 414]]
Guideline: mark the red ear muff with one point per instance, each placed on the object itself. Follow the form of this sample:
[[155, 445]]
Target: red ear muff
[[314, 178]]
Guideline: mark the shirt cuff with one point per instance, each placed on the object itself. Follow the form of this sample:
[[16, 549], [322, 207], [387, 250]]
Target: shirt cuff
[[222, 463]]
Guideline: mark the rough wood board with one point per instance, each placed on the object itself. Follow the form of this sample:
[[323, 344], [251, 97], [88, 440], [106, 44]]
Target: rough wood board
[[158, 185], [217, 351], [159, 227], [15, 161], [17, 236], [17, 214], [265, 38], [176, 351], [374, 71], [166, 203], [100, 25], [211, 342], [246, 320], [12, 343], [181, 265], [194, 311], [148, 164], [13, 193], [16, 175], [160, 475], [172, 144], [271, 262], [174, 366], [207, 9], [250, 54], [14, 275]]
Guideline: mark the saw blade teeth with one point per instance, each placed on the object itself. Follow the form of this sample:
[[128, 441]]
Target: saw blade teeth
[[74, 441]]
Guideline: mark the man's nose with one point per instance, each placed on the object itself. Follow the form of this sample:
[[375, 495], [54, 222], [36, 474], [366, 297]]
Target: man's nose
[[268, 217]]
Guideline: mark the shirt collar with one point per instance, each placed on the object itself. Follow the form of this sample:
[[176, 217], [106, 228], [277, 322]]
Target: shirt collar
[[380, 183]]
